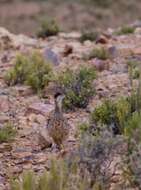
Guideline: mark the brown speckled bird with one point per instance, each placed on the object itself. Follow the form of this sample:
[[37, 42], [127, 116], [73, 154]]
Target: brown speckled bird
[[57, 126]]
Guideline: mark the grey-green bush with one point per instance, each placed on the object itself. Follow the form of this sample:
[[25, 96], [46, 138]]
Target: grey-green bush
[[77, 86], [32, 70]]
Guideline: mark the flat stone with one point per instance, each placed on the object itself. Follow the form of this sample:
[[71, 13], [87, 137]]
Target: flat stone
[[21, 155], [40, 119], [100, 65], [51, 56], [4, 104], [101, 40], [23, 90], [45, 141], [3, 119], [72, 35], [40, 108], [17, 169]]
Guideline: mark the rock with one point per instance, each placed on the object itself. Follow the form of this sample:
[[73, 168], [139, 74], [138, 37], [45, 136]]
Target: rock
[[6, 41], [27, 166], [102, 92], [100, 65], [51, 56], [137, 51], [22, 155], [40, 119], [102, 40], [40, 108], [40, 158], [2, 180], [17, 170], [113, 51], [23, 90], [3, 119], [21, 39], [4, 103], [72, 35], [32, 117], [136, 24], [138, 31], [67, 50], [45, 141], [5, 147]]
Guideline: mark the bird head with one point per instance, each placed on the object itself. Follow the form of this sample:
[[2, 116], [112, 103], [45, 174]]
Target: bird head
[[58, 99]]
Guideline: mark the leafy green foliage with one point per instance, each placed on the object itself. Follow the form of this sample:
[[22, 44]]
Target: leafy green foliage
[[32, 70], [133, 70], [77, 86], [112, 113], [100, 53], [88, 35], [7, 133], [126, 30], [19, 72], [104, 113], [132, 127], [48, 28]]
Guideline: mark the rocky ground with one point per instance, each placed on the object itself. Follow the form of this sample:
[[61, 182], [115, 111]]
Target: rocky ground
[[29, 112]]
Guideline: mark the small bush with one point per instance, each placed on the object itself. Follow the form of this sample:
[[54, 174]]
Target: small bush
[[100, 53], [133, 70], [18, 73], [112, 113], [32, 70], [132, 127], [48, 28], [61, 176], [7, 133], [39, 74], [104, 114], [77, 86], [126, 30], [92, 36], [96, 153]]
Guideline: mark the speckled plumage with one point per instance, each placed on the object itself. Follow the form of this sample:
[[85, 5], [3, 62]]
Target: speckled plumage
[[57, 126]]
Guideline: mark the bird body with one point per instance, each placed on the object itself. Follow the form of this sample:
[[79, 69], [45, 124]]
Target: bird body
[[57, 125]]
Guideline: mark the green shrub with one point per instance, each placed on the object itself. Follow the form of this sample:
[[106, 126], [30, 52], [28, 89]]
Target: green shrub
[[7, 133], [104, 113], [48, 28], [133, 71], [100, 53], [32, 70], [136, 73], [112, 113], [40, 72], [77, 86], [132, 127], [126, 30], [18, 73], [88, 35]]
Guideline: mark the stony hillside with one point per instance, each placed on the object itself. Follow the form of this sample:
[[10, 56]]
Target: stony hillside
[[29, 111]]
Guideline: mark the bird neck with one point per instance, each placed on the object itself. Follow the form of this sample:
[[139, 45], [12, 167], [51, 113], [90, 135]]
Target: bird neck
[[58, 107]]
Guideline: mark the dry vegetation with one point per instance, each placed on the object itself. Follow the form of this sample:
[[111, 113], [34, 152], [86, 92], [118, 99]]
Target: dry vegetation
[[102, 106]]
